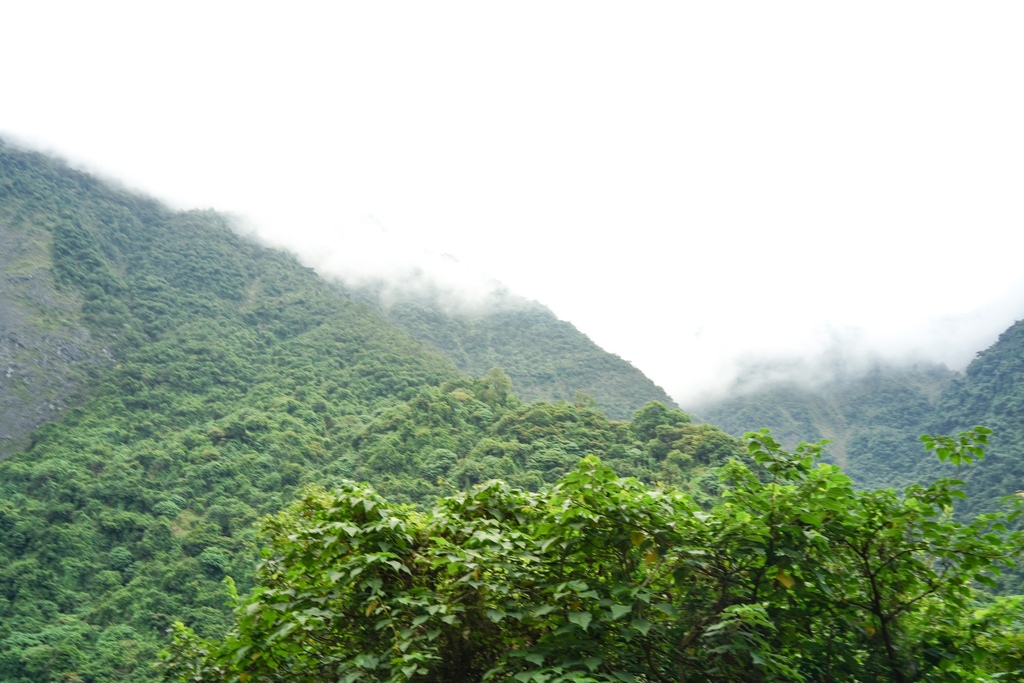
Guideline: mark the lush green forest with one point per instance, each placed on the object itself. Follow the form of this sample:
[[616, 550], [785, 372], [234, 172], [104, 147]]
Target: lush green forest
[[546, 358], [229, 366], [791, 575], [169, 383], [991, 392], [221, 378], [873, 419]]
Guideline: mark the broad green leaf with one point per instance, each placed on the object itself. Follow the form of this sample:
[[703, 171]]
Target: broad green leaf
[[619, 611], [641, 625], [543, 609], [814, 519], [582, 619]]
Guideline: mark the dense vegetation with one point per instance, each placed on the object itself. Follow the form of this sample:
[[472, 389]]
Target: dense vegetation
[[169, 383], [468, 431], [871, 419], [546, 358], [991, 392], [230, 365], [791, 575], [231, 378]]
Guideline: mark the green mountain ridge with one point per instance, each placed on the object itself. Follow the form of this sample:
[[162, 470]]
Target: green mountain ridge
[[46, 352], [547, 359], [991, 393], [203, 381], [169, 383], [874, 418]]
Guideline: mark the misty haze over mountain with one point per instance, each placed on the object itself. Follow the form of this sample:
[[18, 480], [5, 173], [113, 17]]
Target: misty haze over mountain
[[699, 189], [168, 382], [398, 269], [725, 356]]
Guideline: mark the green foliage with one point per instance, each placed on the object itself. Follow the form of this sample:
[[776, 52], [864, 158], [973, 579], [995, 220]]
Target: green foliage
[[991, 393], [870, 419], [546, 358], [232, 378], [792, 575], [466, 431], [232, 375]]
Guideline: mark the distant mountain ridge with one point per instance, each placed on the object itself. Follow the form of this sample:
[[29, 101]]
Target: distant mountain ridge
[[874, 418], [991, 393], [53, 340], [46, 352], [168, 382], [547, 359]]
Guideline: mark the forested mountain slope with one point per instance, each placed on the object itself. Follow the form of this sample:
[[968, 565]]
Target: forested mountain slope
[[226, 374], [547, 359], [205, 381], [120, 273], [872, 419], [168, 382], [991, 393], [47, 354]]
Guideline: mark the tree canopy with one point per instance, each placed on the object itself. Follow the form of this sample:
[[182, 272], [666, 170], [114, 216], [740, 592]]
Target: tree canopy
[[546, 358], [791, 575]]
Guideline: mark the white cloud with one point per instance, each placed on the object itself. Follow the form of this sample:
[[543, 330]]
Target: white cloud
[[688, 184]]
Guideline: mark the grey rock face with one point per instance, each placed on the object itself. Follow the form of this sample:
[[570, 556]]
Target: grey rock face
[[45, 351]]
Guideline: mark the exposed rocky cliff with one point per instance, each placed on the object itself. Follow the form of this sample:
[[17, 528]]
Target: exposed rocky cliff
[[45, 351]]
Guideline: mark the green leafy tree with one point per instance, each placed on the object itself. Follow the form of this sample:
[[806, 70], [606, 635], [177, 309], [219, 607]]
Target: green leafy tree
[[792, 575]]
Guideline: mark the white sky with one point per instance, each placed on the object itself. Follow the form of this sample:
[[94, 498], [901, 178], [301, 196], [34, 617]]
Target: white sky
[[688, 183]]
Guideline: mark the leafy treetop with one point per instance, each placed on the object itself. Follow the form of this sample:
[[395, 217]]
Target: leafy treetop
[[792, 575]]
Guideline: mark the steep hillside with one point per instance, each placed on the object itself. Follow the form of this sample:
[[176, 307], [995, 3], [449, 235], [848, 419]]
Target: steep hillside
[[212, 378], [547, 359], [204, 380], [991, 393], [46, 352], [873, 419]]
